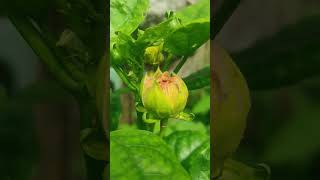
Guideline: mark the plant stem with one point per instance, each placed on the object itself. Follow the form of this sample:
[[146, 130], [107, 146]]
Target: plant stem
[[163, 125], [37, 43], [181, 63], [222, 16]]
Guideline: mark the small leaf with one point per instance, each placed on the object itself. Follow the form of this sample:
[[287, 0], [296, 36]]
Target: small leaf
[[92, 146], [185, 116], [142, 155], [140, 108], [198, 79], [194, 12], [126, 15], [158, 32], [202, 106], [68, 39], [187, 39], [231, 104]]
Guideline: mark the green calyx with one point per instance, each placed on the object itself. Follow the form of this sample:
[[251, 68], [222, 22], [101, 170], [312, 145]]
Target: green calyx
[[163, 94]]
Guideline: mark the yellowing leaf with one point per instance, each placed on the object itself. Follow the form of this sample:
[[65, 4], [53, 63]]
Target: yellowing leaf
[[231, 104]]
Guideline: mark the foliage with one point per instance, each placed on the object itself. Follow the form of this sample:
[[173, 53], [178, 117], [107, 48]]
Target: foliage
[[178, 153]]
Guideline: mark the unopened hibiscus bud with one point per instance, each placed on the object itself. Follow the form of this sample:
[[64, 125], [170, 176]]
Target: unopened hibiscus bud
[[163, 94], [153, 55]]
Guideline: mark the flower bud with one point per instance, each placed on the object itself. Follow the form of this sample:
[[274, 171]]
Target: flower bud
[[163, 94], [153, 55]]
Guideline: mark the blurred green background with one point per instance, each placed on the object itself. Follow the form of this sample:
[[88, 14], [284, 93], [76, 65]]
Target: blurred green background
[[39, 121]]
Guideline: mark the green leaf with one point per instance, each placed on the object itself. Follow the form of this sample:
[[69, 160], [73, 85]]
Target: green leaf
[[70, 42], [199, 10], [122, 49], [198, 164], [283, 59], [142, 155], [202, 106], [198, 79], [185, 116], [158, 32], [239, 171], [126, 15], [127, 60], [185, 40], [177, 125], [231, 102], [92, 146], [193, 150]]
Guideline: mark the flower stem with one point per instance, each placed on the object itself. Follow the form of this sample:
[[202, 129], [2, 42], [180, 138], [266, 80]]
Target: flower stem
[[163, 125]]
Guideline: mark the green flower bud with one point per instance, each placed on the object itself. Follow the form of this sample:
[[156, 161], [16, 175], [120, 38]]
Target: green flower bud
[[153, 55], [163, 94]]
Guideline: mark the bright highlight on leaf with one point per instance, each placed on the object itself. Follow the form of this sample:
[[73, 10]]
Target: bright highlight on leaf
[[142, 155]]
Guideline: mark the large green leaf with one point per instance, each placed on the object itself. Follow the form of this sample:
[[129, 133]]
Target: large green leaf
[[91, 144], [283, 59], [140, 155], [198, 164], [199, 10], [194, 32], [178, 125], [193, 150], [126, 15], [184, 32], [231, 102], [188, 38], [240, 171]]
